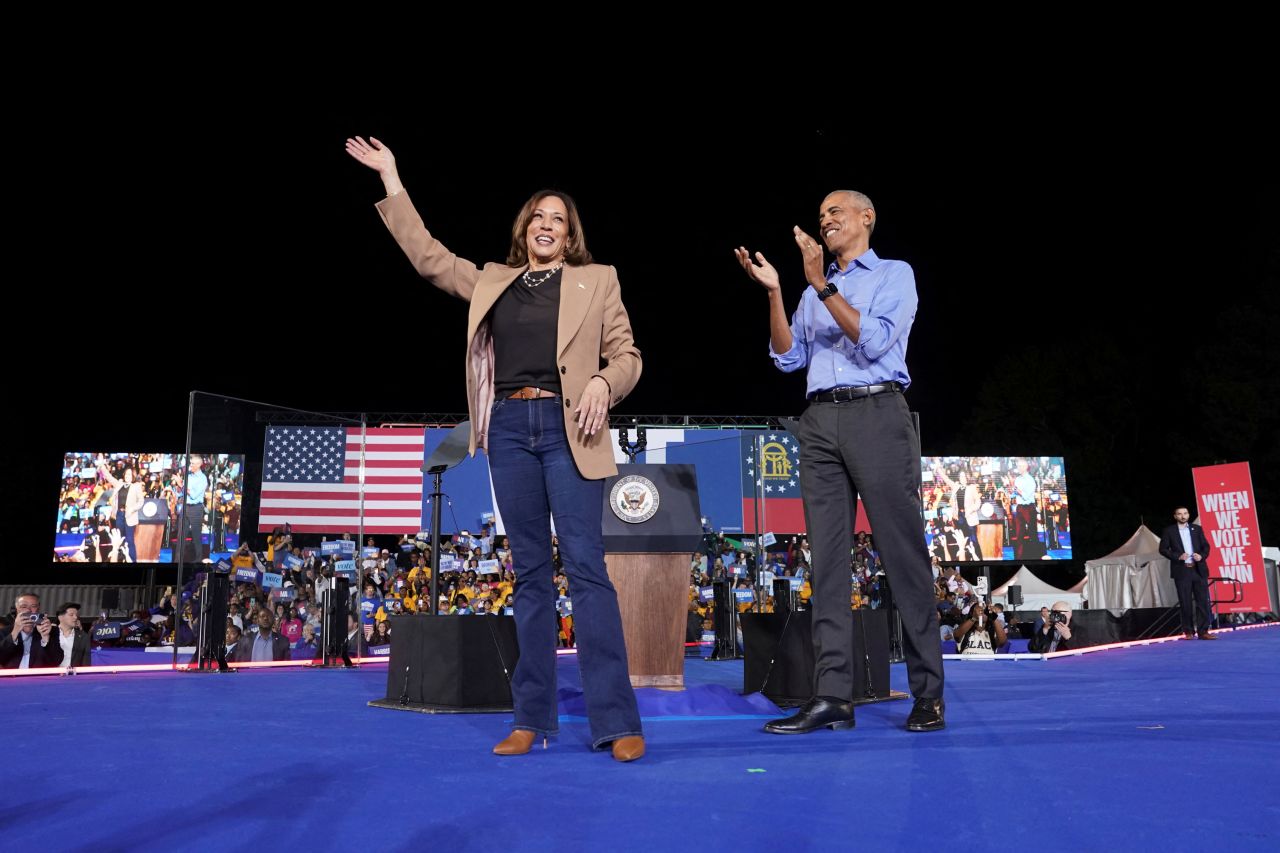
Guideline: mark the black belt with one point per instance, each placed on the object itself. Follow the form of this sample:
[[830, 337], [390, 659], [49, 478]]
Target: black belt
[[855, 392]]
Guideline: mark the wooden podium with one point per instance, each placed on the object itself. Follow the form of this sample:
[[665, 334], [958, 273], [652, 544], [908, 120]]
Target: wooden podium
[[149, 534], [652, 525], [991, 539]]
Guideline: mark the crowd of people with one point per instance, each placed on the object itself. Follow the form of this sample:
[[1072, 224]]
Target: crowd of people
[[278, 614]]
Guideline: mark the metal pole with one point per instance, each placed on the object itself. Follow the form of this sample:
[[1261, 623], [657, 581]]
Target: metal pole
[[436, 497], [179, 543], [364, 443]]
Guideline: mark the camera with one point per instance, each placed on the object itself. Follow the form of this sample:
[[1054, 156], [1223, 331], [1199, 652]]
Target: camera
[[1057, 617]]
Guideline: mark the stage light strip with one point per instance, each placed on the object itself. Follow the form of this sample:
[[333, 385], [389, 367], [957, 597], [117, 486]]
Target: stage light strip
[[166, 667], [1126, 645], [57, 670], [1090, 649], [1235, 628], [1016, 656]]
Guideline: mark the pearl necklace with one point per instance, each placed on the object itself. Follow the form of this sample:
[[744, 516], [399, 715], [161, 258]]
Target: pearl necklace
[[530, 282]]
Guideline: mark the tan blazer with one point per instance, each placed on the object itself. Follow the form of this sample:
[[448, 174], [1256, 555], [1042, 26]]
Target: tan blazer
[[133, 501], [593, 338]]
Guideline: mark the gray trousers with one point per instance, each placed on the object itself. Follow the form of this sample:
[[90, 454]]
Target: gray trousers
[[867, 446]]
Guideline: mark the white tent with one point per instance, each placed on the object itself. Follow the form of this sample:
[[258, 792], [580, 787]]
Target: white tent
[[1134, 575], [1035, 592]]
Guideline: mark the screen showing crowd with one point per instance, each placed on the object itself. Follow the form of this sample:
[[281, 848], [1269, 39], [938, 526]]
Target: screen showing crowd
[[134, 507], [989, 508]]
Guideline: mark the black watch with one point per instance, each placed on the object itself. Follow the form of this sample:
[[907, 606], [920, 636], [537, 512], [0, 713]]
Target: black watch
[[830, 291]]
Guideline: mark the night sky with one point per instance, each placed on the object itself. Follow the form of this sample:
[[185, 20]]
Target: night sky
[[1095, 281]]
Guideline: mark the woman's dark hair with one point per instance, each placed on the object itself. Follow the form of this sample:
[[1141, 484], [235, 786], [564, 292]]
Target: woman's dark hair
[[575, 246]]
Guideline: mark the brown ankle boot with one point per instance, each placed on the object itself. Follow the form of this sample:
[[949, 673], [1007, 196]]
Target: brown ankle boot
[[628, 748], [518, 742]]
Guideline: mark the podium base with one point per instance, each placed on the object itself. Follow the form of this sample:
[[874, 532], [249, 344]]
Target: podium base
[[662, 682]]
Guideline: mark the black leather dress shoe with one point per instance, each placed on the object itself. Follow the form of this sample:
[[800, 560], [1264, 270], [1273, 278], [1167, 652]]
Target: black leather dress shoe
[[927, 716], [819, 712]]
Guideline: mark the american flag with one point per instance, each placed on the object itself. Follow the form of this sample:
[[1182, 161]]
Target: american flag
[[311, 479]]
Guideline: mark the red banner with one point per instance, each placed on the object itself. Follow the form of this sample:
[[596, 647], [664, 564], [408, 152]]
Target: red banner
[[1229, 516]]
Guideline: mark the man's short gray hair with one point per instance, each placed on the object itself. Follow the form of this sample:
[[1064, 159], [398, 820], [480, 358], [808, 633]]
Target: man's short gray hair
[[863, 200]]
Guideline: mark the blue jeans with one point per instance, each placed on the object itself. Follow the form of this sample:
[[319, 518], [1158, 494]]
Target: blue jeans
[[127, 529], [534, 477]]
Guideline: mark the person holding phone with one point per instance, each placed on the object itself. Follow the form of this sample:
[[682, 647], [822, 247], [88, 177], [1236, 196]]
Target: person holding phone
[[30, 644]]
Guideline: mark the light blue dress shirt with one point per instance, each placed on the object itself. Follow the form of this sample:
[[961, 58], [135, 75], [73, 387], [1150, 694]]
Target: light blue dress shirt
[[884, 292]]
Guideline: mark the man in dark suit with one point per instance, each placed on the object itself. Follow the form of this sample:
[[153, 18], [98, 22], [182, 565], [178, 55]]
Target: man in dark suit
[[1187, 549], [264, 645], [73, 642], [30, 643], [357, 646]]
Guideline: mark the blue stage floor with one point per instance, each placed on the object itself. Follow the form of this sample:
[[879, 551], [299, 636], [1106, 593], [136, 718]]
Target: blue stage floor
[[1168, 747]]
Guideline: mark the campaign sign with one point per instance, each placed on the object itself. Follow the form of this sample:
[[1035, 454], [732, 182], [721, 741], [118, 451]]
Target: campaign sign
[[107, 631], [1228, 512]]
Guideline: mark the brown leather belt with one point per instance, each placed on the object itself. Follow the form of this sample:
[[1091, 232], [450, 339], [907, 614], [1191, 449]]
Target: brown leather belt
[[530, 393]]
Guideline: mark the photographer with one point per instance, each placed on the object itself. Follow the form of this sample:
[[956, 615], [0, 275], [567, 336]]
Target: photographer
[[30, 643], [980, 633], [242, 558], [279, 544], [1055, 634]]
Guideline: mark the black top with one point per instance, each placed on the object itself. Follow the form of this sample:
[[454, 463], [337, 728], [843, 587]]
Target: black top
[[524, 323], [122, 494]]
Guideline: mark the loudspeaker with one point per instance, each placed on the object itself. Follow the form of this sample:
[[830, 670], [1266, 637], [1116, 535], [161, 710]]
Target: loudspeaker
[[725, 618], [790, 679], [111, 599], [451, 664], [218, 591], [339, 606], [784, 596], [1015, 596], [214, 648]]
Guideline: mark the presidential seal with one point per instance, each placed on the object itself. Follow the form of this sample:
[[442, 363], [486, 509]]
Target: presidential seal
[[634, 499]]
